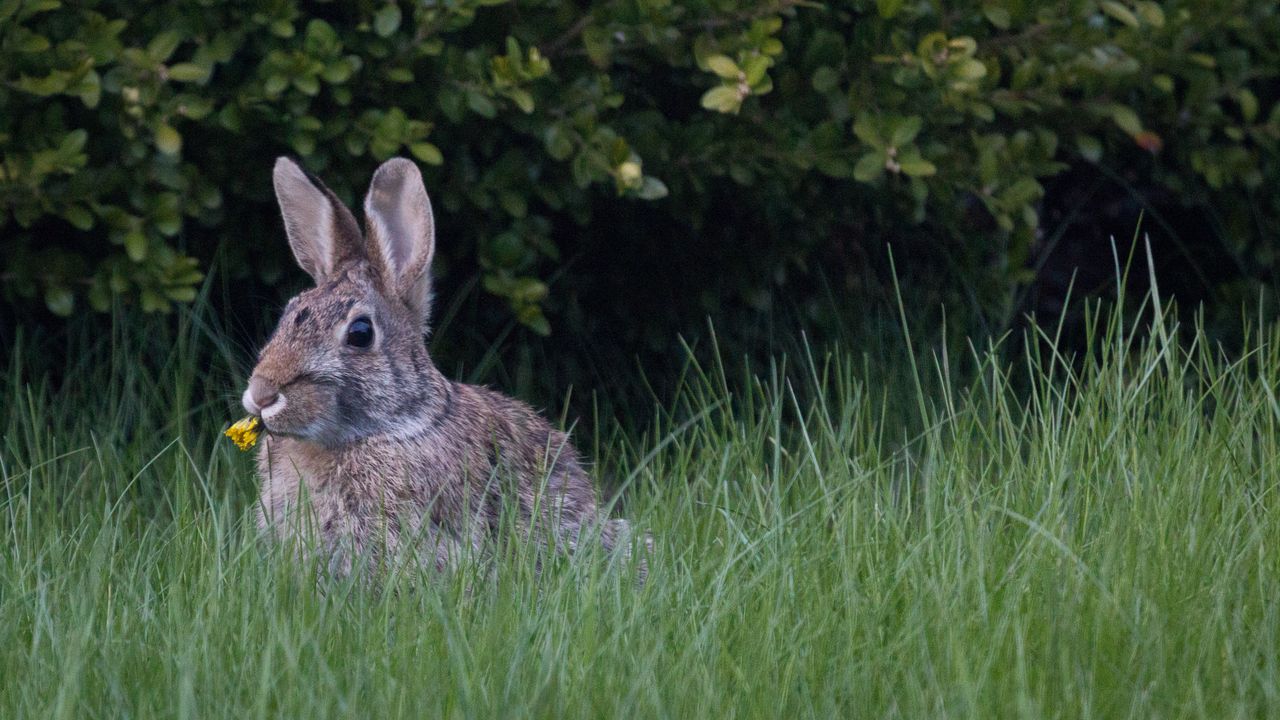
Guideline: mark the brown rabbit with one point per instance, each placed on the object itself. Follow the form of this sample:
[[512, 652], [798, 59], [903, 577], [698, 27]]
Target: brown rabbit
[[370, 451]]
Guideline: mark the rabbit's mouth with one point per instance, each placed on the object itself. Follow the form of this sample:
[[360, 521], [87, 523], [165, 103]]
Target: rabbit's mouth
[[282, 417], [305, 411], [274, 409], [315, 431]]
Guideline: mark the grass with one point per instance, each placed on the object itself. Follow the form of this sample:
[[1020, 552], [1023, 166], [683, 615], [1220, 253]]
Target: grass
[[958, 535]]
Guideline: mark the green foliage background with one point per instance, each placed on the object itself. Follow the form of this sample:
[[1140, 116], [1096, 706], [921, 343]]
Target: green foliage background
[[737, 145]]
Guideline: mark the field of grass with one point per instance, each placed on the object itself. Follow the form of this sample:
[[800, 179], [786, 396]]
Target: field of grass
[[958, 535]]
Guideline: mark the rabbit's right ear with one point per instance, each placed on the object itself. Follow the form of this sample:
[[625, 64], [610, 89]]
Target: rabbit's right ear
[[401, 233], [322, 231]]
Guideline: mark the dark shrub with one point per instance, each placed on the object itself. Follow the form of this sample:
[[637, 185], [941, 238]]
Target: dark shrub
[[732, 146]]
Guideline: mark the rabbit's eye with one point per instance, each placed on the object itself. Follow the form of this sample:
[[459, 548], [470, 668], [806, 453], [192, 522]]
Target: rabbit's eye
[[360, 333]]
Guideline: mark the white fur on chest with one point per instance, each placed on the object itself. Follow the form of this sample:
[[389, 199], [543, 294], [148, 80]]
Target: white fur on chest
[[317, 500], [296, 496]]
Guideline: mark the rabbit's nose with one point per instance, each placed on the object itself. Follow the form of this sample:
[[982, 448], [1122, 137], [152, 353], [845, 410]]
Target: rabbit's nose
[[260, 396]]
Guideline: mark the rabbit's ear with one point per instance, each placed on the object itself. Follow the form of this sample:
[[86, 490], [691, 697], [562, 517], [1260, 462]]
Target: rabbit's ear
[[400, 233], [322, 231]]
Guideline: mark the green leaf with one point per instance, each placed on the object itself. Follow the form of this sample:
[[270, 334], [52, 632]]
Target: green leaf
[[73, 142], [32, 43], [1022, 191], [756, 68], [307, 84], [1119, 12], [619, 151], [382, 148], [1151, 12], [51, 84], [723, 99], [303, 143], [400, 75], [866, 131], [917, 166], [598, 44], [275, 84], [188, 72], [825, 79], [180, 293], [99, 295], [321, 39], [888, 8], [79, 216], [229, 117], [514, 203], [163, 45], [1203, 60], [481, 105], [59, 300], [905, 131], [556, 140], [168, 141], [724, 67], [528, 291], [166, 215], [834, 166], [971, 69], [427, 153], [89, 89], [387, 20], [506, 250], [1126, 118], [1248, 104], [997, 15], [522, 99], [531, 317], [652, 189], [135, 245], [153, 301], [869, 167], [1090, 147], [337, 72]]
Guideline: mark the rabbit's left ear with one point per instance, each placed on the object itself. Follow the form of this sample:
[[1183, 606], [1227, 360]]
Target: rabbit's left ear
[[400, 233]]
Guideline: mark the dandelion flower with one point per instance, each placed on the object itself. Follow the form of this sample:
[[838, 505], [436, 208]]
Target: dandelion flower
[[244, 433]]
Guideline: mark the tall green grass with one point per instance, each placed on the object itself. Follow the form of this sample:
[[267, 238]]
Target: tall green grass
[[961, 534]]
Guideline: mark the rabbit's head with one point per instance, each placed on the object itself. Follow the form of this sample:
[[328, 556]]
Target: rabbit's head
[[347, 359]]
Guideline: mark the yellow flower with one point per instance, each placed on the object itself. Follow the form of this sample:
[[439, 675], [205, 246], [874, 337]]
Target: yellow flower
[[244, 433]]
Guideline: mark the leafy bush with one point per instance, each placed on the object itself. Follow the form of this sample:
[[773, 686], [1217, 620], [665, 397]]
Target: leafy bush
[[135, 144]]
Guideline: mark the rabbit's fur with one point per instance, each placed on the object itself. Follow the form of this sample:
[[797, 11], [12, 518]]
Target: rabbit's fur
[[371, 452]]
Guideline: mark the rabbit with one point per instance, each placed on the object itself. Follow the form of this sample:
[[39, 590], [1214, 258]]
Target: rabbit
[[369, 450]]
